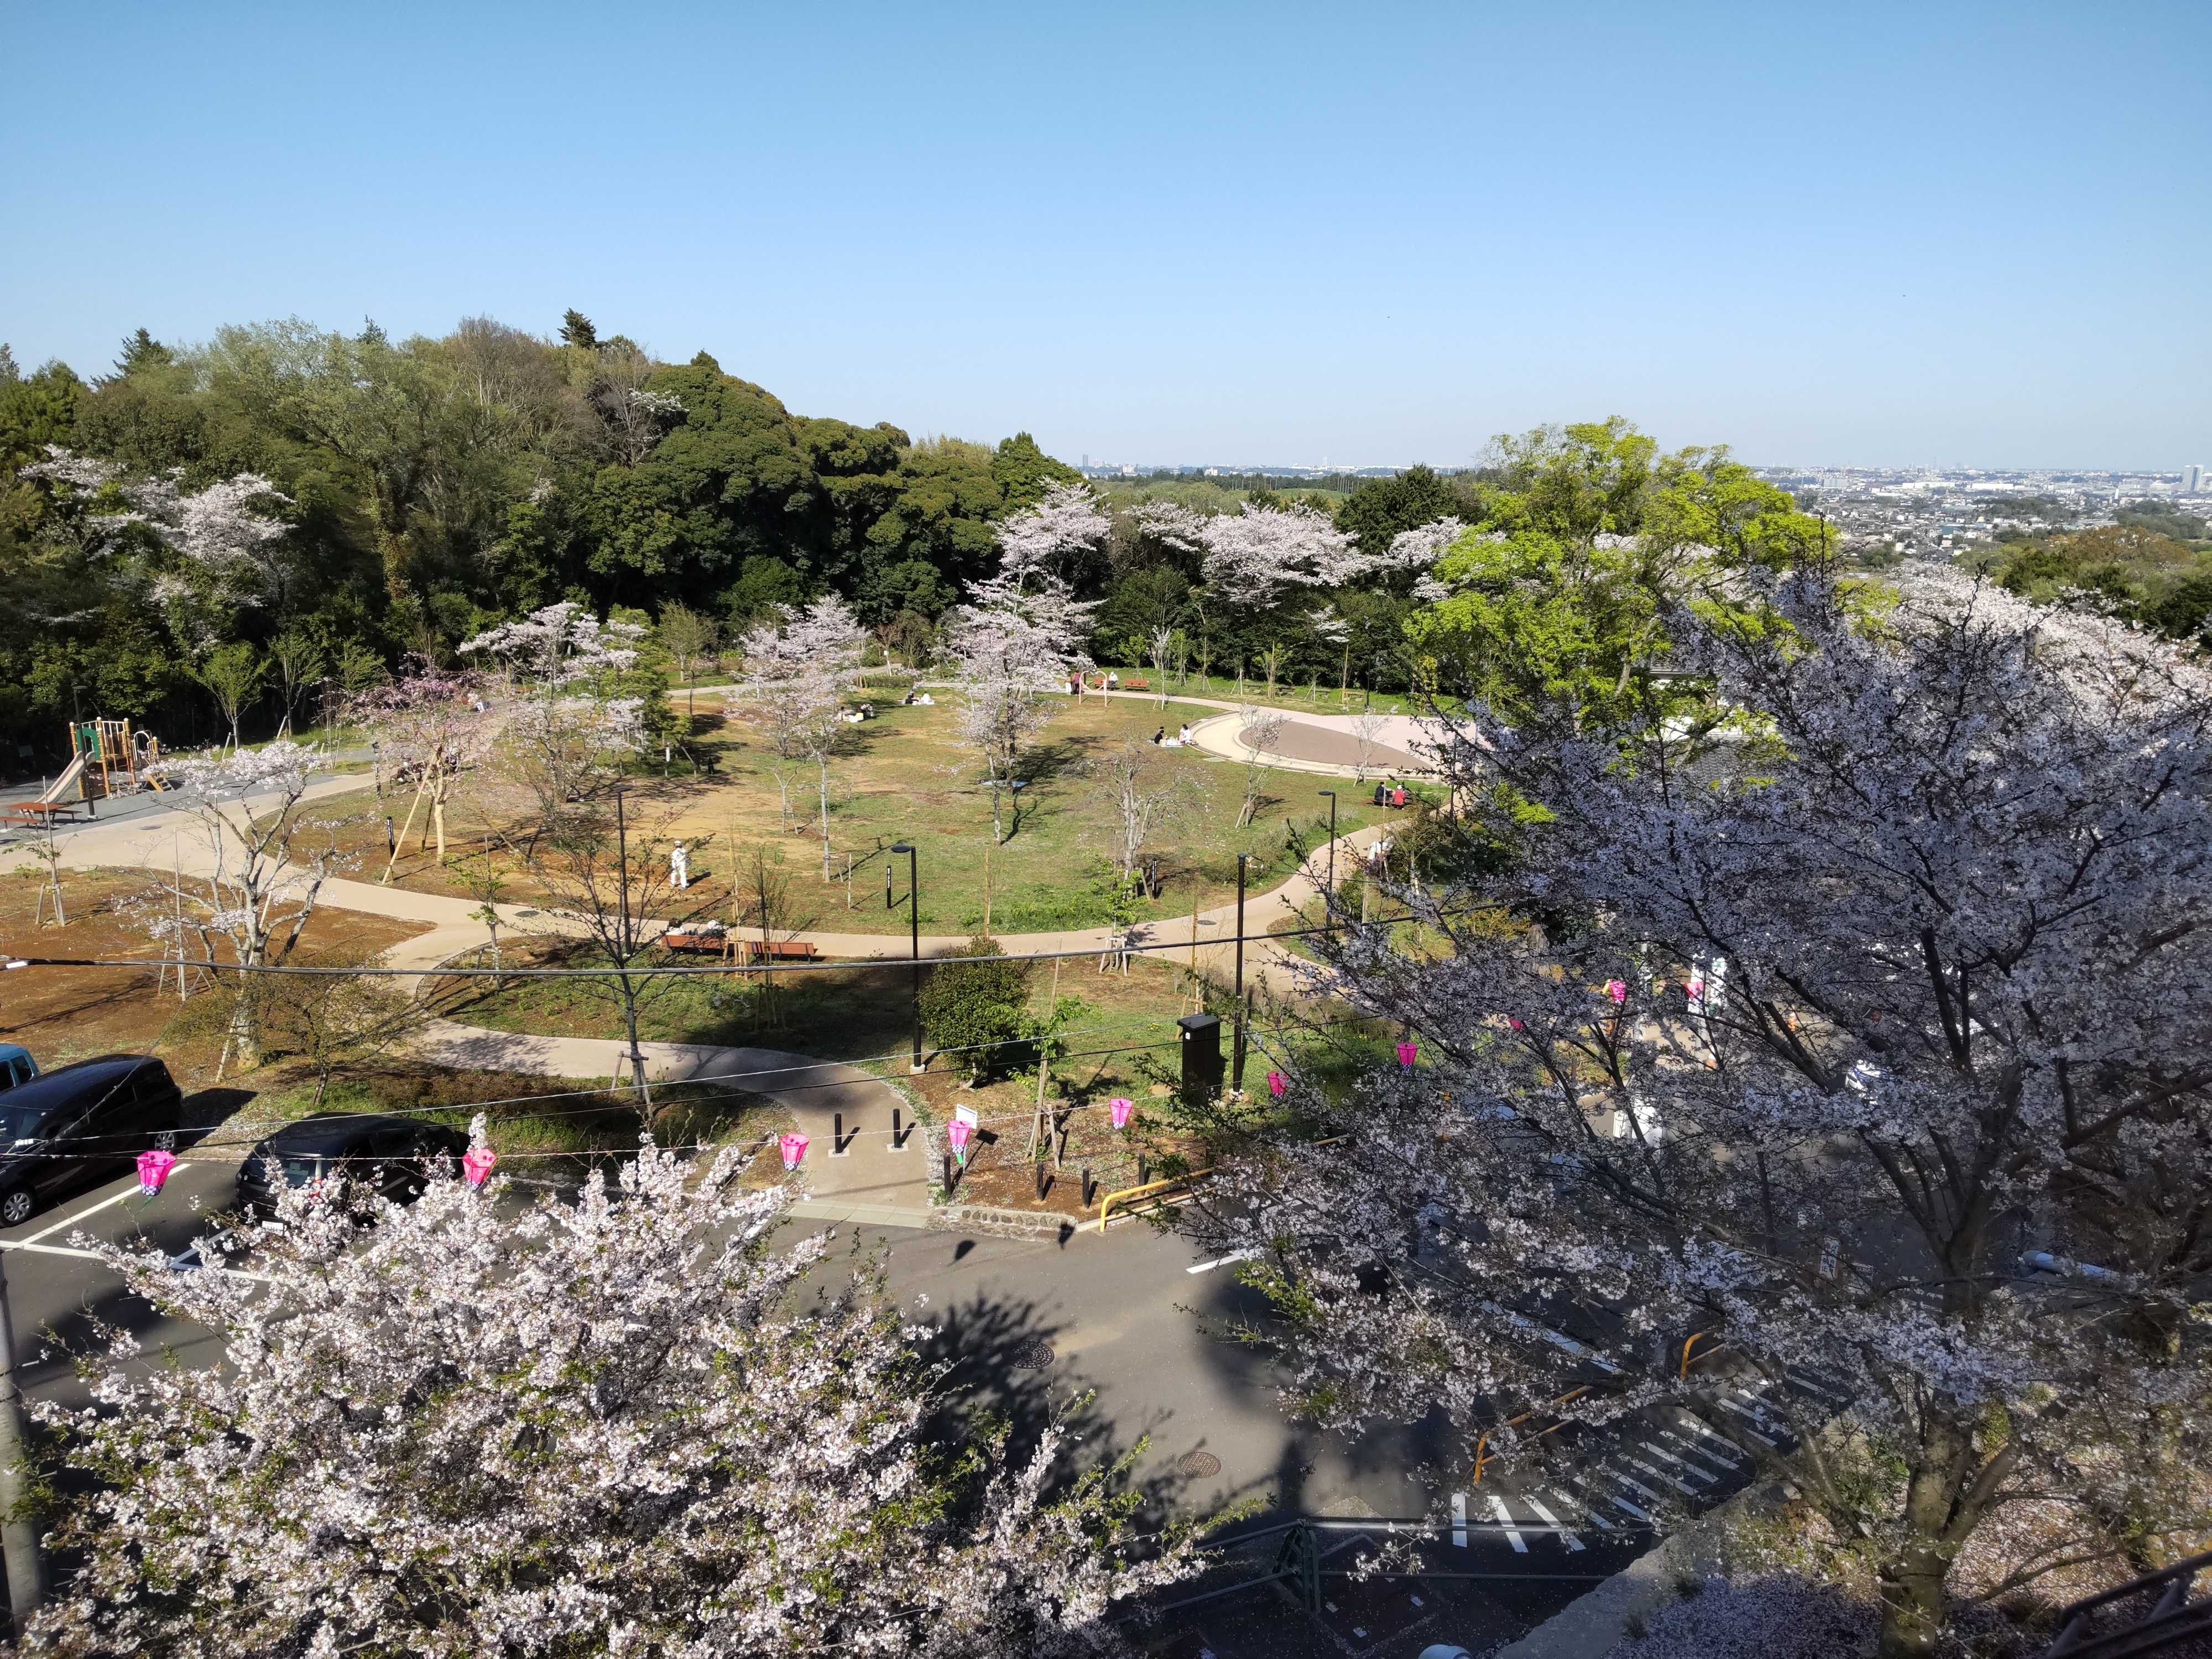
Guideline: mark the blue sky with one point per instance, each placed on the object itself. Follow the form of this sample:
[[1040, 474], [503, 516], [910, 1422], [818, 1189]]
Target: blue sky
[[1950, 235]]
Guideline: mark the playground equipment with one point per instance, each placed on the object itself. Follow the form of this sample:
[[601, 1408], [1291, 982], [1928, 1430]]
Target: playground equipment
[[107, 759]]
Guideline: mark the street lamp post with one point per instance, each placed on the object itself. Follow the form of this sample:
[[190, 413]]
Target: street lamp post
[[914, 924], [19, 1532], [1331, 911], [1236, 1049]]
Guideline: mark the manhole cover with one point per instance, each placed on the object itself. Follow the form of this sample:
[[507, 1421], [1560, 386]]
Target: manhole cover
[[1200, 1464], [1033, 1357]]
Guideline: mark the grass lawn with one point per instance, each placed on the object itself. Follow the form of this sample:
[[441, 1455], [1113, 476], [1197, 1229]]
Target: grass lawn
[[905, 778]]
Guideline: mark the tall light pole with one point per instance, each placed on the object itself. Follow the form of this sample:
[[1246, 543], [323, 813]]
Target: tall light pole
[[913, 923], [19, 1532], [1331, 911], [1237, 1049]]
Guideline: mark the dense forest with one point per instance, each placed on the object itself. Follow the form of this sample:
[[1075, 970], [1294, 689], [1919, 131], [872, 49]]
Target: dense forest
[[427, 488], [403, 495]]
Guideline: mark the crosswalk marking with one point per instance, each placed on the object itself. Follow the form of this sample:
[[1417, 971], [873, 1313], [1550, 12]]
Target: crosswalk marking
[[1694, 1471], [1499, 1512], [1549, 1519]]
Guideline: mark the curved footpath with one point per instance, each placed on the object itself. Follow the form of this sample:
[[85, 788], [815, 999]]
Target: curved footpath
[[870, 1179]]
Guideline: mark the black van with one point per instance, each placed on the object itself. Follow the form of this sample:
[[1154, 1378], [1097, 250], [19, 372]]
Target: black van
[[80, 1126]]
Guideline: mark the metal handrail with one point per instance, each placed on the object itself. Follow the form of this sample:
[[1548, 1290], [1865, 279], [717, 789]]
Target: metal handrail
[[1106, 1204], [1482, 1458]]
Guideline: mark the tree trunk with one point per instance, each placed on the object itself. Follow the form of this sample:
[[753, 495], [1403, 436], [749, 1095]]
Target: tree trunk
[[1937, 1517], [825, 765], [637, 1052]]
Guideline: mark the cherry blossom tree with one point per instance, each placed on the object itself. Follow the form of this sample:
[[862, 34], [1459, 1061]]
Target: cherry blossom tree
[[1255, 555], [430, 728], [258, 865], [616, 1423], [1014, 642], [1066, 526], [572, 722], [797, 665], [222, 530], [1813, 1013]]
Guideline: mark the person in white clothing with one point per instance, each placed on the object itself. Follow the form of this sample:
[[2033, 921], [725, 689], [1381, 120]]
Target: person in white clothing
[[679, 866]]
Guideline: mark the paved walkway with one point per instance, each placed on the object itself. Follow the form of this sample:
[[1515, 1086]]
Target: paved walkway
[[867, 1176]]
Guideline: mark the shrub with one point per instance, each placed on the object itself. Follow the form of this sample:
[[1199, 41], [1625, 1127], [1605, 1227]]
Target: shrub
[[967, 1005]]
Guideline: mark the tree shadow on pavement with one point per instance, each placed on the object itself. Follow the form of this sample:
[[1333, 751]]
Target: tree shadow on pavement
[[999, 1367]]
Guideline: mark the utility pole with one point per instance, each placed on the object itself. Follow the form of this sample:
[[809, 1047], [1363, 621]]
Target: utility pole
[[19, 1533], [914, 926], [1237, 1050]]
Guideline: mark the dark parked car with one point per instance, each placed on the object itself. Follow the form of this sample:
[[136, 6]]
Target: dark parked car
[[81, 1125], [374, 1151]]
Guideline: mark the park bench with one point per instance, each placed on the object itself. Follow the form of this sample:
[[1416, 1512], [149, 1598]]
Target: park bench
[[711, 940], [776, 950]]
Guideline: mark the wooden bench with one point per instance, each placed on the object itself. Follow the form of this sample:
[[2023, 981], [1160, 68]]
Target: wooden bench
[[712, 942], [776, 950]]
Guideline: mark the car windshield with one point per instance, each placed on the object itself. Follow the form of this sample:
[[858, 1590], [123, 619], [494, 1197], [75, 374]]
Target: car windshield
[[18, 1124], [301, 1171]]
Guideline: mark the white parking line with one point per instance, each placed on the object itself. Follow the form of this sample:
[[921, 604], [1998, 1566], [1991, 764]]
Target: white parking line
[[1222, 1262], [71, 1221]]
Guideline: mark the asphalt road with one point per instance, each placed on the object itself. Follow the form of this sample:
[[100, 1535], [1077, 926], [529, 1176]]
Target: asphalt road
[[1112, 1331]]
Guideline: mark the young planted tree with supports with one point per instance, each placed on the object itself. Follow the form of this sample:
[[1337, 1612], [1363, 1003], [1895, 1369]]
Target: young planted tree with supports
[[430, 728], [257, 864], [1144, 790], [607, 873], [1013, 643], [616, 1422], [688, 638], [1259, 731], [797, 666], [572, 723], [1813, 1007]]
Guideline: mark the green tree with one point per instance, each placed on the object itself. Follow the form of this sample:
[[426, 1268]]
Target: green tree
[[233, 674], [1022, 471], [1381, 508], [976, 1009], [1586, 535]]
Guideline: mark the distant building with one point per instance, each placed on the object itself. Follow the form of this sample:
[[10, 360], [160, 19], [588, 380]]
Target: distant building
[[2193, 480]]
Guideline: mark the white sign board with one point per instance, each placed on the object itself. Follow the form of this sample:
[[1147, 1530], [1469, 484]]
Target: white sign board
[[965, 1115]]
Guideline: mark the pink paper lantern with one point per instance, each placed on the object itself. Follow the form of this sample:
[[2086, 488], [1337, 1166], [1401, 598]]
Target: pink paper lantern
[[1618, 990], [958, 1133], [1278, 1084], [475, 1164], [1515, 1024], [793, 1148], [154, 1168], [1120, 1106], [1406, 1054]]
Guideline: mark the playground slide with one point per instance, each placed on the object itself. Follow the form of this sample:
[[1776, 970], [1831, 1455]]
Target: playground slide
[[68, 780]]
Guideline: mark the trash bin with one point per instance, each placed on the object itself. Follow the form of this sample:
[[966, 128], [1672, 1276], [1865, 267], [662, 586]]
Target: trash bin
[[1202, 1058]]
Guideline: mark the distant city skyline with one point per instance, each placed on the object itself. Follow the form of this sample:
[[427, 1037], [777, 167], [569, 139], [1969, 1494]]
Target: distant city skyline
[[1954, 236]]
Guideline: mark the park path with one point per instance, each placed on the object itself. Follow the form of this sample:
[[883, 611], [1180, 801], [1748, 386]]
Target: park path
[[866, 1175]]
